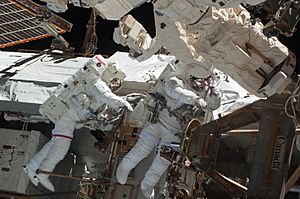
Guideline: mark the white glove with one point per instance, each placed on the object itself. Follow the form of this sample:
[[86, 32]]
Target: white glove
[[123, 103], [127, 105], [200, 103]]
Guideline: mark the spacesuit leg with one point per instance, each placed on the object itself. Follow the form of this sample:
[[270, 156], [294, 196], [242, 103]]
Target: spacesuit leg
[[154, 173], [160, 164], [60, 143], [141, 150], [35, 162], [57, 152]]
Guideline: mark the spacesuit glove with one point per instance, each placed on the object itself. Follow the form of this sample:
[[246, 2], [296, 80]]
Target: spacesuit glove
[[127, 105], [200, 103], [119, 102]]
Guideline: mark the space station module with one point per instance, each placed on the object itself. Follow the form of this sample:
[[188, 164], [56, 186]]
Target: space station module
[[224, 38]]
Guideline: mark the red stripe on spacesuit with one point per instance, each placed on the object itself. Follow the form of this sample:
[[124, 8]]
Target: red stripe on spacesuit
[[100, 60], [64, 136]]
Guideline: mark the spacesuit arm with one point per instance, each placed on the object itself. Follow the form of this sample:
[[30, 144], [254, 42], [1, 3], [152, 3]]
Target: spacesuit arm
[[174, 89], [103, 94]]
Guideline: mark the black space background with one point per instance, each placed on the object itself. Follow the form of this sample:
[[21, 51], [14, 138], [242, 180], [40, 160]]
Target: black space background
[[104, 29]]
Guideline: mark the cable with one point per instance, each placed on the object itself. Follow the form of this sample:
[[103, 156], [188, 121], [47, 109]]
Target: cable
[[290, 101]]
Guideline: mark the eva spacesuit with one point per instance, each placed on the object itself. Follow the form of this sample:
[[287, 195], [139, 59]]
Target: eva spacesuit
[[77, 99], [178, 93]]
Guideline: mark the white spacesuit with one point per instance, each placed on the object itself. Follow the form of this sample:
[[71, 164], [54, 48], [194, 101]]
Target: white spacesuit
[[177, 93], [205, 36], [73, 102]]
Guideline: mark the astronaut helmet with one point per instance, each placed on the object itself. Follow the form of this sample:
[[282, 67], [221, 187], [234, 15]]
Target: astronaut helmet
[[199, 77], [113, 76]]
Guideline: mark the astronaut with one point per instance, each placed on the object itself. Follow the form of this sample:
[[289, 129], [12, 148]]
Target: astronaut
[[223, 37], [178, 92], [71, 103]]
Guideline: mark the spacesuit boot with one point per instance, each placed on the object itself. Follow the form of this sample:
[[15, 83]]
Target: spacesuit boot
[[154, 173], [57, 152], [148, 191], [122, 174], [34, 163], [141, 150]]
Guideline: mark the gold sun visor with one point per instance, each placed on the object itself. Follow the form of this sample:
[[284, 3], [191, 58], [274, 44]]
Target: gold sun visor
[[19, 22]]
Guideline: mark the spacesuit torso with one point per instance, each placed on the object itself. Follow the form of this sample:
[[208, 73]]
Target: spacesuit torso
[[84, 94], [75, 93], [179, 106]]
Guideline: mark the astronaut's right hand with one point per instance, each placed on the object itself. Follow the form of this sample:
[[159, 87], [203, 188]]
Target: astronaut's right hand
[[127, 105], [200, 103], [123, 103]]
